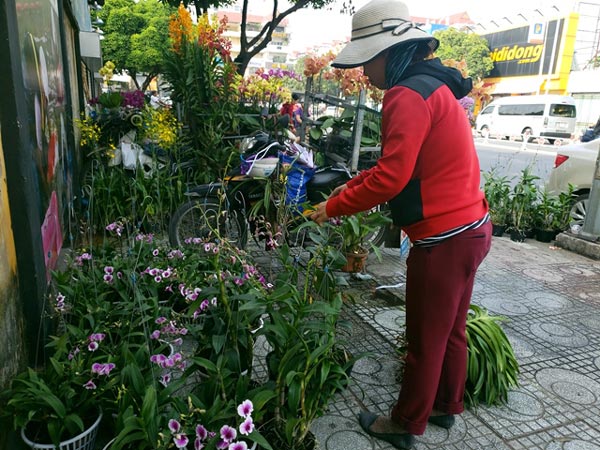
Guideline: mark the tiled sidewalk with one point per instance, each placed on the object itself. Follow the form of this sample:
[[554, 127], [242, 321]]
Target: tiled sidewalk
[[552, 300]]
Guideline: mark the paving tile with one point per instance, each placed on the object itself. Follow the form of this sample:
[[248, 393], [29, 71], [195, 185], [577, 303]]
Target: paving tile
[[550, 298]]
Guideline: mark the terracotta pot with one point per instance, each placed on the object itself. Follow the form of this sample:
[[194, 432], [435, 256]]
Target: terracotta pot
[[355, 262]]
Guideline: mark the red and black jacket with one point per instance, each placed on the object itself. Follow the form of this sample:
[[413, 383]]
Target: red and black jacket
[[429, 169]]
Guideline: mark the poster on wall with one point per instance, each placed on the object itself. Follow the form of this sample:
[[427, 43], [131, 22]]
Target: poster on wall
[[43, 66]]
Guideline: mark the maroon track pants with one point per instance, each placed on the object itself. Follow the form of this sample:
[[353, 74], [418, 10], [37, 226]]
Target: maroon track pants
[[439, 283]]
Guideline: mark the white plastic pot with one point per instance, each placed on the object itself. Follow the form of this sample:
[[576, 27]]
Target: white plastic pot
[[84, 441]]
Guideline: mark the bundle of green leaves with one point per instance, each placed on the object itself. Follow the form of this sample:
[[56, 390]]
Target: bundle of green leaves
[[492, 368]]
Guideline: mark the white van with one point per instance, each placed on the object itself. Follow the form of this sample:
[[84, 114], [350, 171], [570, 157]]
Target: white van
[[548, 116]]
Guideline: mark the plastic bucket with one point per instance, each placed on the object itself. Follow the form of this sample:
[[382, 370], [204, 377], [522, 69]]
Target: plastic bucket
[[83, 441]]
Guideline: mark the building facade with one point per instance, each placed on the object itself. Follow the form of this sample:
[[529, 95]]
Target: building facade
[[275, 55]]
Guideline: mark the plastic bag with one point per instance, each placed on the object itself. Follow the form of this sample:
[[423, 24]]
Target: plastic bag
[[297, 177], [133, 157]]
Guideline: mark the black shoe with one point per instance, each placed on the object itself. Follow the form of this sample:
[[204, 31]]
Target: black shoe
[[402, 441], [445, 421]]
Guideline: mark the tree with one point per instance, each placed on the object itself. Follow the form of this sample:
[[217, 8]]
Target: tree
[[250, 47], [459, 45], [136, 37]]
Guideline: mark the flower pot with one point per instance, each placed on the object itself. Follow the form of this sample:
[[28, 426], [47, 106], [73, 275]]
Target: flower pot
[[517, 236], [83, 441], [355, 262], [498, 230], [545, 235]]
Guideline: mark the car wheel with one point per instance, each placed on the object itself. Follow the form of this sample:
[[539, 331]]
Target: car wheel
[[485, 132], [579, 209]]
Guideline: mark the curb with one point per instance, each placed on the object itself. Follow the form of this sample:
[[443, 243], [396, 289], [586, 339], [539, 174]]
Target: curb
[[578, 245]]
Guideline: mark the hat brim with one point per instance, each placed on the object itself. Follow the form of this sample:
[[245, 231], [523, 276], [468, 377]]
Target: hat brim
[[361, 51]]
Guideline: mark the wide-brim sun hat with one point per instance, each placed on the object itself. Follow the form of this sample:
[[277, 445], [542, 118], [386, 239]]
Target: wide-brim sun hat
[[377, 26]]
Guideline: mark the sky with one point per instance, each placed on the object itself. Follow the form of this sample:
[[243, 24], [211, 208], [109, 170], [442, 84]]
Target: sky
[[310, 27]]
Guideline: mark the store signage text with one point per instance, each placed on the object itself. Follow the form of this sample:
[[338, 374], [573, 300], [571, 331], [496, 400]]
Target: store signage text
[[521, 54]]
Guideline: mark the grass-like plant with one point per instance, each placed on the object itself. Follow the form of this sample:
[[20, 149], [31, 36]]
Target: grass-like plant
[[492, 368]]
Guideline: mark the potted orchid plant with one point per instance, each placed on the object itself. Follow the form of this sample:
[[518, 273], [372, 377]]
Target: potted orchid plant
[[144, 334], [66, 397]]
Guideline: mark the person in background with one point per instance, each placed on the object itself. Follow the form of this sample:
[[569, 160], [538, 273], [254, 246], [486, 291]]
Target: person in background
[[298, 111], [429, 174], [592, 133], [294, 110]]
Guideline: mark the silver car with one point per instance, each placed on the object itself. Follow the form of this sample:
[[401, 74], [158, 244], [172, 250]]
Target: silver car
[[575, 164]]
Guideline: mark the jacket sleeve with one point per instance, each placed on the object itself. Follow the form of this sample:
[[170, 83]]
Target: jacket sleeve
[[406, 122]]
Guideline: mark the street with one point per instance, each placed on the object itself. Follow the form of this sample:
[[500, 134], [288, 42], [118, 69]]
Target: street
[[509, 158]]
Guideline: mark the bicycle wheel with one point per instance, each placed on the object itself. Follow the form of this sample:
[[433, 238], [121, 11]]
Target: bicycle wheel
[[205, 218]]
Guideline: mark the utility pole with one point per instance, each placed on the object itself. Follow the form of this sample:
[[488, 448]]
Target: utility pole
[[591, 225]]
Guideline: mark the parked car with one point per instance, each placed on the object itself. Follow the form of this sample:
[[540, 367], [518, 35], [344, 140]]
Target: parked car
[[575, 164]]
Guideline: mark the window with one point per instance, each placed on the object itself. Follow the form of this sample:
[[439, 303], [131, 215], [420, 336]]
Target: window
[[557, 110], [488, 110], [521, 110]]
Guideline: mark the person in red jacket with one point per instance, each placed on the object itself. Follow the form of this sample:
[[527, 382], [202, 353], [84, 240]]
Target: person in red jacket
[[294, 110], [429, 174]]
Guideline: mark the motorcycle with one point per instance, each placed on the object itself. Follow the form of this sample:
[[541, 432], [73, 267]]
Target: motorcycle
[[245, 202]]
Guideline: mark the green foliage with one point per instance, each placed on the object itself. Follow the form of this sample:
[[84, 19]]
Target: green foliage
[[206, 88], [497, 193], [459, 45], [201, 6], [357, 228], [304, 368], [252, 45], [333, 135], [492, 368], [136, 36], [546, 211], [553, 212], [522, 203], [171, 324], [112, 193], [564, 203]]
